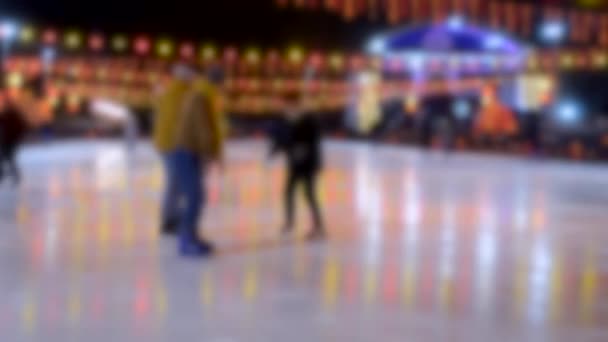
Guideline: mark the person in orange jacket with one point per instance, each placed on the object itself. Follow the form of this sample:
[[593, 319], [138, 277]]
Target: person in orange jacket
[[168, 106], [199, 142]]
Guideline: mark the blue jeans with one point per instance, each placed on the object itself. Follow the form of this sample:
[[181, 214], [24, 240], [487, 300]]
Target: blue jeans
[[190, 173], [171, 196]]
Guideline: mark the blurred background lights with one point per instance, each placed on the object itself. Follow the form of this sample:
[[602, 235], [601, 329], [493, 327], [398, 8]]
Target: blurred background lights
[[96, 42], [164, 48], [553, 31], [416, 61], [569, 111], [141, 45], [455, 22], [462, 109], [8, 30], [253, 56], [49, 37], [494, 41], [73, 40], [119, 43], [208, 52], [295, 54], [336, 61], [186, 50], [27, 35], [377, 46]]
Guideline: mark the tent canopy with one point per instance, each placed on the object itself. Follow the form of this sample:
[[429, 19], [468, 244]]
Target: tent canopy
[[452, 36]]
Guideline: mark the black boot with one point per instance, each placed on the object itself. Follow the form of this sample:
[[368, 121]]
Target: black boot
[[169, 227]]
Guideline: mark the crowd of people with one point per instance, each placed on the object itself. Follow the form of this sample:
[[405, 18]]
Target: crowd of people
[[190, 133]]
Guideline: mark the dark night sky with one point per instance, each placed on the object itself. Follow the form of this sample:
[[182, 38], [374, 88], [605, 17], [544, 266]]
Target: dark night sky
[[243, 22]]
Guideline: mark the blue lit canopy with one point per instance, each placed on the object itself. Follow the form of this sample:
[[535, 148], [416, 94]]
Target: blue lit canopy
[[452, 36], [450, 46]]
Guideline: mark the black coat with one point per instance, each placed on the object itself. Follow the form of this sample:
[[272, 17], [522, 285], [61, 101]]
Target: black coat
[[301, 141], [13, 127]]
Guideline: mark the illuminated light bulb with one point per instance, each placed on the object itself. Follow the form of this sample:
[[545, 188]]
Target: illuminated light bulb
[[141, 45], [49, 37], [569, 112], [208, 52], [316, 60], [120, 43], [295, 55], [567, 61], [553, 31], [600, 60], [411, 104], [96, 42], [377, 46], [231, 54], [8, 30], [14, 80], [336, 61], [164, 48], [27, 35], [186, 50], [462, 109], [533, 62], [73, 40], [253, 57]]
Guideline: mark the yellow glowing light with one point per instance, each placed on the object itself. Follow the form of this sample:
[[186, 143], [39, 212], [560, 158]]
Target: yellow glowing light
[[336, 61], [120, 43], [27, 34], [72, 40], [14, 80], [164, 48], [411, 104], [295, 54], [208, 52], [567, 61], [600, 60], [253, 56], [533, 63]]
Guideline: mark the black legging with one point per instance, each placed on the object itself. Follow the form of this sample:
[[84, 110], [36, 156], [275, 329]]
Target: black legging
[[8, 157], [309, 180]]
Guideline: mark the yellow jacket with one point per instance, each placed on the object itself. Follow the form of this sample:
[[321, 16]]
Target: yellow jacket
[[201, 128], [168, 108]]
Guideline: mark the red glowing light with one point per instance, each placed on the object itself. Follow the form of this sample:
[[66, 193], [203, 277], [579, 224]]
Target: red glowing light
[[187, 50], [96, 42], [142, 45], [316, 60], [49, 37], [231, 54]]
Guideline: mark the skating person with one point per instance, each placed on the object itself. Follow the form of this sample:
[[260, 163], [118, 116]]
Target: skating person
[[301, 142], [13, 128], [199, 143], [170, 101]]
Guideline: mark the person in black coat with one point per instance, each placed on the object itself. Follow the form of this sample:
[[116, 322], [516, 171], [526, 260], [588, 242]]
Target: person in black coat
[[299, 137], [13, 128]]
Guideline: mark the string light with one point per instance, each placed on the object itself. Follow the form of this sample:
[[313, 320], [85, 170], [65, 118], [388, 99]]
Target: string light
[[120, 43], [208, 52], [73, 40], [27, 35], [253, 56], [164, 48]]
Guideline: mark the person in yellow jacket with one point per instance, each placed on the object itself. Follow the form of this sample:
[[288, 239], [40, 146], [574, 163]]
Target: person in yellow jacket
[[168, 106], [199, 140]]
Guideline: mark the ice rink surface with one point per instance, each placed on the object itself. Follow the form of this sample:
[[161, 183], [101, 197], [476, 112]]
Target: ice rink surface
[[422, 247]]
